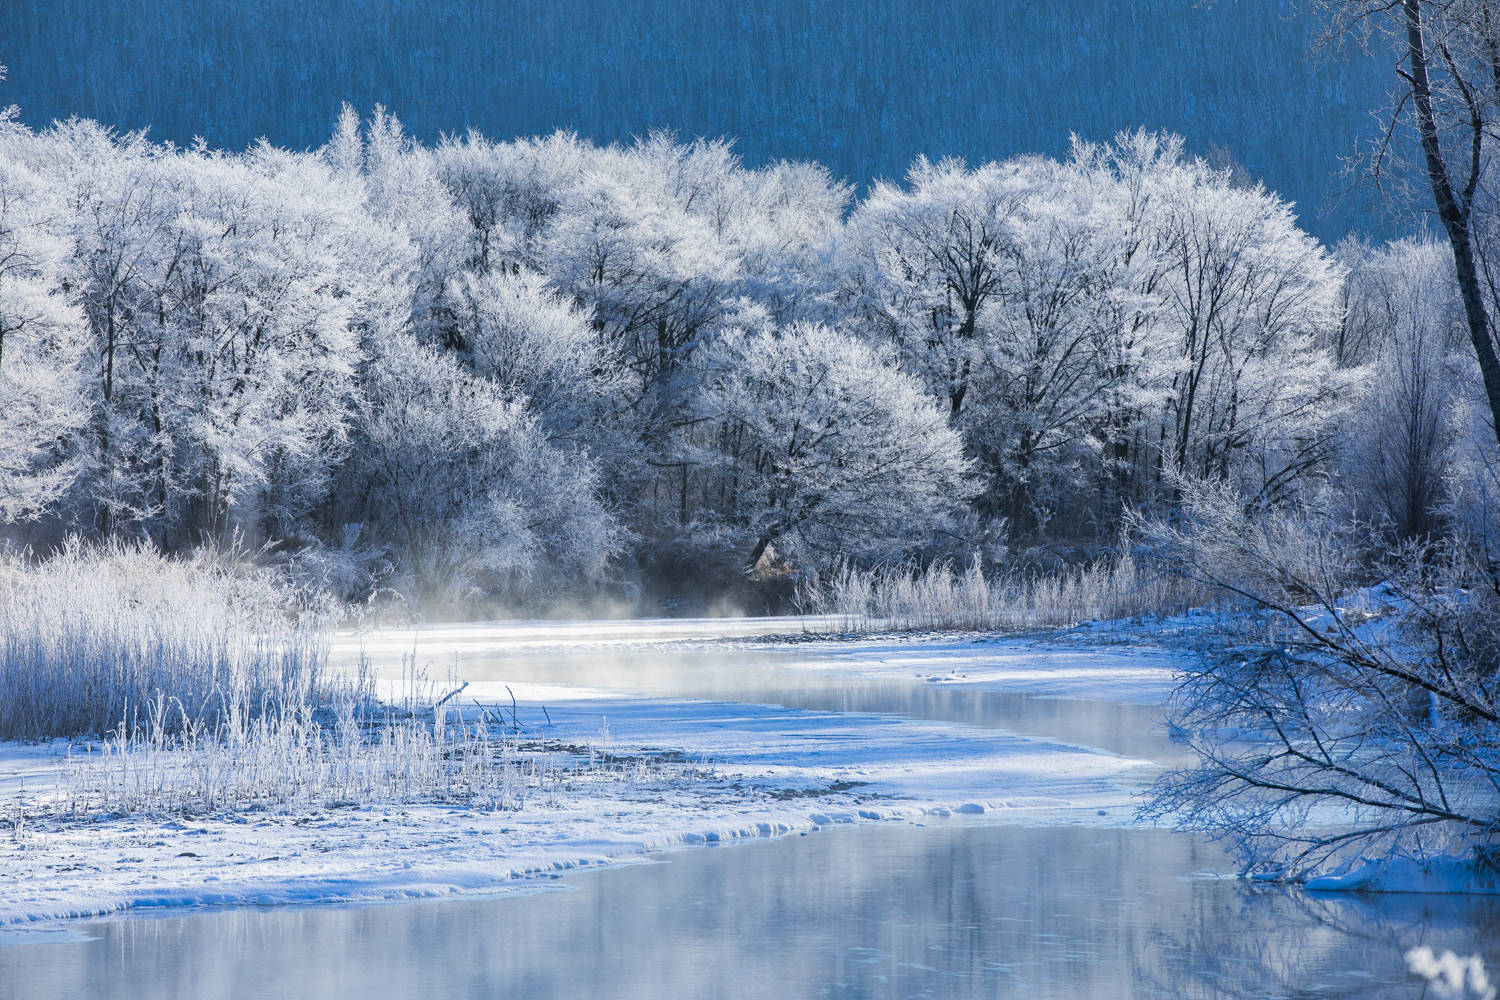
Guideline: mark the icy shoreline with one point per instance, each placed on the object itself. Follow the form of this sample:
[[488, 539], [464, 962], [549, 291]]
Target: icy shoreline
[[1411, 875], [718, 771]]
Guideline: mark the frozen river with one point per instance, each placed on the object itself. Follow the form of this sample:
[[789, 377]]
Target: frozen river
[[1026, 903]]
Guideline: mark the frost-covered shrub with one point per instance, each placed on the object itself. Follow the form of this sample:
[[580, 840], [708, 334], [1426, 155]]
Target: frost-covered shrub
[[342, 752], [327, 578], [195, 693], [944, 597], [90, 637], [1351, 708]]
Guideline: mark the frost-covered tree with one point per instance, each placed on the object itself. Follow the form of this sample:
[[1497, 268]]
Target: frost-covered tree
[[1056, 347], [42, 346], [785, 221], [1248, 299], [510, 193], [258, 316], [1400, 443], [1447, 54], [119, 207], [418, 223], [931, 257], [608, 227], [1056, 305], [833, 449], [511, 327], [227, 300], [461, 482], [661, 245]]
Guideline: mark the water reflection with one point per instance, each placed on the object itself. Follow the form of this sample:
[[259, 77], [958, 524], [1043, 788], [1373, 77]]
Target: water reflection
[[767, 677], [884, 911]]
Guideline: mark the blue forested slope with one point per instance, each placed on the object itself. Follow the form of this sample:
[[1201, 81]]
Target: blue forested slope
[[862, 85]]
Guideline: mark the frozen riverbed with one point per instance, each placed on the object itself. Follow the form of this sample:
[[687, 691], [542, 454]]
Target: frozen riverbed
[[1008, 863], [736, 736]]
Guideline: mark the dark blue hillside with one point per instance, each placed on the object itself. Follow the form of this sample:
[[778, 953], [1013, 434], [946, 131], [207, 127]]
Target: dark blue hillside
[[862, 85]]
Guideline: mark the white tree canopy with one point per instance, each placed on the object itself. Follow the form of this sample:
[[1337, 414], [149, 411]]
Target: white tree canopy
[[839, 449]]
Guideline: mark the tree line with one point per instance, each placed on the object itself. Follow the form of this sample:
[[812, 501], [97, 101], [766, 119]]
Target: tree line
[[519, 367]]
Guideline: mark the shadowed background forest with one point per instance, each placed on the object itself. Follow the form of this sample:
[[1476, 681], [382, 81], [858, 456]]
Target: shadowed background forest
[[842, 84]]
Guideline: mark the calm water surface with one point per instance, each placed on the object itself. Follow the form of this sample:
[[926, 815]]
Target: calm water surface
[[948, 910]]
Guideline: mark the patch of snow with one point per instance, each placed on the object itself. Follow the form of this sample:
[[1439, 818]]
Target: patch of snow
[[1402, 874], [1450, 976]]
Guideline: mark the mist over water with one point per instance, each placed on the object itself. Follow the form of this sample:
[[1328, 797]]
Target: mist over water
[[690, 658]]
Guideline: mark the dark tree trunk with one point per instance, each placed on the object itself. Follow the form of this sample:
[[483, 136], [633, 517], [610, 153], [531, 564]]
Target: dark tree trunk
[[1454, 214], [757, 552]]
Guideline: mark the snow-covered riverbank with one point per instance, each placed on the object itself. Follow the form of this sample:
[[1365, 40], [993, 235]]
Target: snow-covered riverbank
[[680, 771]]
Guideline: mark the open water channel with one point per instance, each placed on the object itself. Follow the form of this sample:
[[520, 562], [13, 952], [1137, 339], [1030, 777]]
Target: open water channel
[[950, 908]]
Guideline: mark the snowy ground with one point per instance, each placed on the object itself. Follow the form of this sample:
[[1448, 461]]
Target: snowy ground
[[685, 771]]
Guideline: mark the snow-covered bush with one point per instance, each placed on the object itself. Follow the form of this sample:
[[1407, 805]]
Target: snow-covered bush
[[91, 637], [1348, 710]]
